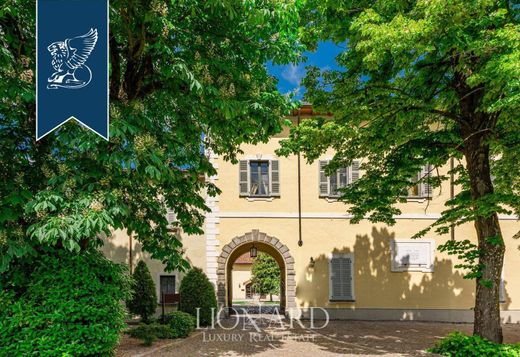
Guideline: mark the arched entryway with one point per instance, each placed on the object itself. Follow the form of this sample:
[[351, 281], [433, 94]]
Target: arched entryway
[[267, 244]]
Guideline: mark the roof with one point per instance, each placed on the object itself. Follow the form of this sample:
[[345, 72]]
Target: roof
[[244, 259], [306, 109]]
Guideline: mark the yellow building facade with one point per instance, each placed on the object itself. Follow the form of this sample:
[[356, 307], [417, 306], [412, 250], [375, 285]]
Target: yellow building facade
[[353, 271]]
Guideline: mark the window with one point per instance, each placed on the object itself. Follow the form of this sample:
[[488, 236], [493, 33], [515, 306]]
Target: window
[[330, 185], [421, 187], [412, 255], [259, 178], [167, 288], [341, 274], [171, 217]]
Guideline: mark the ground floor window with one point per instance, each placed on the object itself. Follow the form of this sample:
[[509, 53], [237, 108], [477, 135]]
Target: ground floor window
[[167, 289], [341, 273]]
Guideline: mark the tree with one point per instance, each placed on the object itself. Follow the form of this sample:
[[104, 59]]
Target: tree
[[422, 82], [198, 296], [265, 275], [187, 78], [144, 297]]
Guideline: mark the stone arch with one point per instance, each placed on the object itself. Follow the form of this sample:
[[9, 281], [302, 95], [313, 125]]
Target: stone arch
[[271, 245]]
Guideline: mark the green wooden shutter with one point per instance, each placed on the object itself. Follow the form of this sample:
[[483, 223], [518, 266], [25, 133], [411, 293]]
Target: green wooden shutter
[[341, 272], [354, 171], [324, 180], [171, 216], [274, 169], [244, 177], [425, 187]]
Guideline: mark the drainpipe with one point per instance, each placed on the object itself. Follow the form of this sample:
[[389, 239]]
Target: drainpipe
[[300, 241], [452, 193]]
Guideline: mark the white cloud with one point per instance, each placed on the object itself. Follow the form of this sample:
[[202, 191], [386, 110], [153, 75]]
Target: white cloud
[[293, 74]]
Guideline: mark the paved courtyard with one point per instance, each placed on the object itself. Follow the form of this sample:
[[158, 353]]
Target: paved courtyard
[[339, 338]]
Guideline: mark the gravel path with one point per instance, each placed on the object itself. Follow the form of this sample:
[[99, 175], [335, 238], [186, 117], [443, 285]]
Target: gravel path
[[340, 338]]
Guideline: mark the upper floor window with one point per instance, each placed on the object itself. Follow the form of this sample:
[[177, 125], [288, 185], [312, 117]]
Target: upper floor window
[[420, 188], [330, 185], [259, 178]]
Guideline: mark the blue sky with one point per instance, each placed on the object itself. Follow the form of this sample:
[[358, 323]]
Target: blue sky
[[290, 76]]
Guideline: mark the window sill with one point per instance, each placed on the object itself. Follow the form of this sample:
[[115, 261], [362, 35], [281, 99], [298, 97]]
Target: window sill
[[342, 300], [417, 199], [331, 199], [266, 199], [407, 270]]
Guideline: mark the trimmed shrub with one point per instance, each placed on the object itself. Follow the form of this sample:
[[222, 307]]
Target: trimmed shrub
[[197, 292], [181, 323], [457, 344], [149, 333], [144, 297], [62, 304]]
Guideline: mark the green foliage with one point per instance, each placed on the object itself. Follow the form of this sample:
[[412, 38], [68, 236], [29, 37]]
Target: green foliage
[[62, 304], [177, 324], [397, 101], [181, 324], [196, 291], [265, 274], [468, 253], [422, 82], [185, 75], [148, 333], [144, 297], [457, 344]]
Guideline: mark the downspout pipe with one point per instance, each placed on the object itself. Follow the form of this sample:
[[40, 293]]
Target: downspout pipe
[[452, 193], [300, 239]]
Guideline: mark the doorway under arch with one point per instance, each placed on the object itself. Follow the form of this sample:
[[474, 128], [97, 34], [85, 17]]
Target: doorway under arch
[[264, 243]]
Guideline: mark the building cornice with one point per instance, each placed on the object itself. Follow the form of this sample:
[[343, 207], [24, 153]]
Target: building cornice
[[327, 215]]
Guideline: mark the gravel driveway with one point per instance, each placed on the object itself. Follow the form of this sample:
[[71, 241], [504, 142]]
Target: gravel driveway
[[339, 338]]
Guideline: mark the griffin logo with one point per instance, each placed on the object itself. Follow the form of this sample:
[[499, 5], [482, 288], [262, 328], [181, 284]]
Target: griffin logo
[[68, 61]]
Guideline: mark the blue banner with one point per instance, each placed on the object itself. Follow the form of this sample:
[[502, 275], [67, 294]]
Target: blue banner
[[72, 65]]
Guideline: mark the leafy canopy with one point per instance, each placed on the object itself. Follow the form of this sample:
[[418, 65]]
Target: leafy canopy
[[424, 82], [419, 79], [186, 77]]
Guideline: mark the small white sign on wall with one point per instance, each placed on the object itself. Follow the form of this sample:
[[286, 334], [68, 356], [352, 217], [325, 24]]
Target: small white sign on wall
[[413, 255]]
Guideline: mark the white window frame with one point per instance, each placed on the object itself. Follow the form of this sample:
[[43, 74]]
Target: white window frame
[[429, 246], [350, 180], [346, 298], [420, 186], [250, 173], [259, 158]]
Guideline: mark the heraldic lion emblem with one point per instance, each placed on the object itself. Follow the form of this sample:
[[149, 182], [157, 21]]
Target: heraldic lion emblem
[[68, 60]]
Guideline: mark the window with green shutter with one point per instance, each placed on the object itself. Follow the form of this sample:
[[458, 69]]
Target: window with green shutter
[[329, 186], [341, 277], [259, 178], [421, 187]]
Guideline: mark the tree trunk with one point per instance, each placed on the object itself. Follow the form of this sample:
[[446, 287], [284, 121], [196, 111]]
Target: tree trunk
[[490, 242]]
